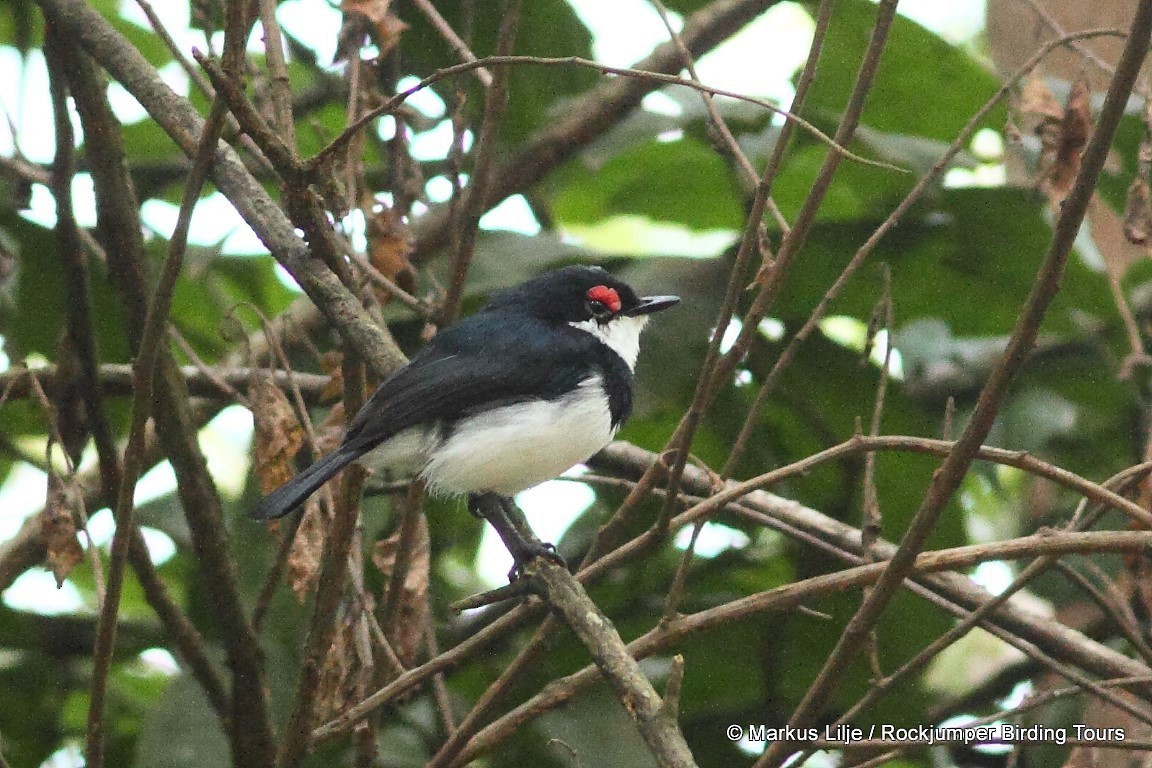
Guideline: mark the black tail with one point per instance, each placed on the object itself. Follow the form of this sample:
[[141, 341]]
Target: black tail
[[290, 495]]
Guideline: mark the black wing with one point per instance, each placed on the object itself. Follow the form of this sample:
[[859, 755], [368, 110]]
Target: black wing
[[488, 358]]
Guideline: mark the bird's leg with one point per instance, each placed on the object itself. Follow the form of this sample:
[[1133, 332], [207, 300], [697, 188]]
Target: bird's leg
[[514, 531]]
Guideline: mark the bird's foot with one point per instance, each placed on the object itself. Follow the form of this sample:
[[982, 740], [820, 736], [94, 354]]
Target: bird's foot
[[528, 550], [509, 522]]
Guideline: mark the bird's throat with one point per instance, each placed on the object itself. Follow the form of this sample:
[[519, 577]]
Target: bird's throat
[[622, 335]]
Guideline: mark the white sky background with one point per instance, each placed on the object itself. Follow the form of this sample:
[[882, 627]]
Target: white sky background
[[624, 31]]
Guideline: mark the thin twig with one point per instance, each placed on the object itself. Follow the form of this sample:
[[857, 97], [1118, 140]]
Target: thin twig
[[119, 229], [213, 375], [217, 382], [771, 279], [1110, 606], [281, 89], [80, 330], [1089, 54], [566, 597], [455, 42], [732, 293], [340, 142], [144, 370], [380, 280], [871, 523], [198, 79], [329, 589], [725, 141], [808, 525], [630, 459], [467, 226], [528, 657], [1033, 570]]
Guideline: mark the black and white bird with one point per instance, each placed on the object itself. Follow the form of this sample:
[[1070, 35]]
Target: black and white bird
[[535, 382]]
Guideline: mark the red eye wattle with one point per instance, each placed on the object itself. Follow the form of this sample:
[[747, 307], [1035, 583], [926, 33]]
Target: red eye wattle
[[606, 296]]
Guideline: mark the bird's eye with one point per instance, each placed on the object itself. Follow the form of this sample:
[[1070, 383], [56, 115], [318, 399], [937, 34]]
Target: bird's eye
[[598, 309]]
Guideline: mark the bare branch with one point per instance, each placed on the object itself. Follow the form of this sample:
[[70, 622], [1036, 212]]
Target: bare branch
[[467, 226]]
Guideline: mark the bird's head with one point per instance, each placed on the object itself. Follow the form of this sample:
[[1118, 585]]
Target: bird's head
[[581, 294], [589, 299]]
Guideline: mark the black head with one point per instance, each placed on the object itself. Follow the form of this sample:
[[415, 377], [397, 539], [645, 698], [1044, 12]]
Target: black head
[[577, 294]]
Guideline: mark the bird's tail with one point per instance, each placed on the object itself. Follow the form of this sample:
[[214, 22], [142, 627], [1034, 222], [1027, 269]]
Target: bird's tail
[[290, 495]]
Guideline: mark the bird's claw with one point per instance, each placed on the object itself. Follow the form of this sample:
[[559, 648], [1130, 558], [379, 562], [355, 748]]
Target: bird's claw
[[531, 551]]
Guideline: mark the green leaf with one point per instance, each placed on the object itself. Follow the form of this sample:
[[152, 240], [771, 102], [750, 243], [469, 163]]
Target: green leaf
[[969, 262], [503, 258], [181, 730], [679, 181], [858, 191], [20, 25], [147, 140], [32, 312], [147, 42], [924, 86], [546, 28]]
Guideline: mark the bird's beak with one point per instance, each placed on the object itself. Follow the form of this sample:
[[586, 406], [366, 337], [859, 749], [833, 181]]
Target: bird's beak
[[650, 304]]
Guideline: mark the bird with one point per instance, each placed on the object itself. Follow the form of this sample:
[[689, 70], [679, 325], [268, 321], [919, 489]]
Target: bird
[[536, 381]]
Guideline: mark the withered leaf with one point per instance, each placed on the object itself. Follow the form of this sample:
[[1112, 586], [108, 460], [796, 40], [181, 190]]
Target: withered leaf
[[389, 246], [340, 677], [1063, 143], [408, 615], [1138, 212], [331, 431], [1037, 102], [332, 363], [60, 511], [1138, 206], [307, 549], [371, 18], [278, 432]]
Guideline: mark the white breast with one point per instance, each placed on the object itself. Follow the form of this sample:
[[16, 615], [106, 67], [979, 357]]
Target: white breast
[[509, 449], [621, 334]]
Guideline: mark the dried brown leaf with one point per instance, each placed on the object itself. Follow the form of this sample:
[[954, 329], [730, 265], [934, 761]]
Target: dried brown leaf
[[1063, 142], [367, 18], [278, 433], [60, 512], [374, 10], [406, 624], [307, 549], [338, 687], [332, 363], [1138, 212], [1036, 101], [1138, 206], [1077, 125], [330, 433], [389, 246]]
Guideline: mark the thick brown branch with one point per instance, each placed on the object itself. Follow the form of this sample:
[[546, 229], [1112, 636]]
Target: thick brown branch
[[567, 598]]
